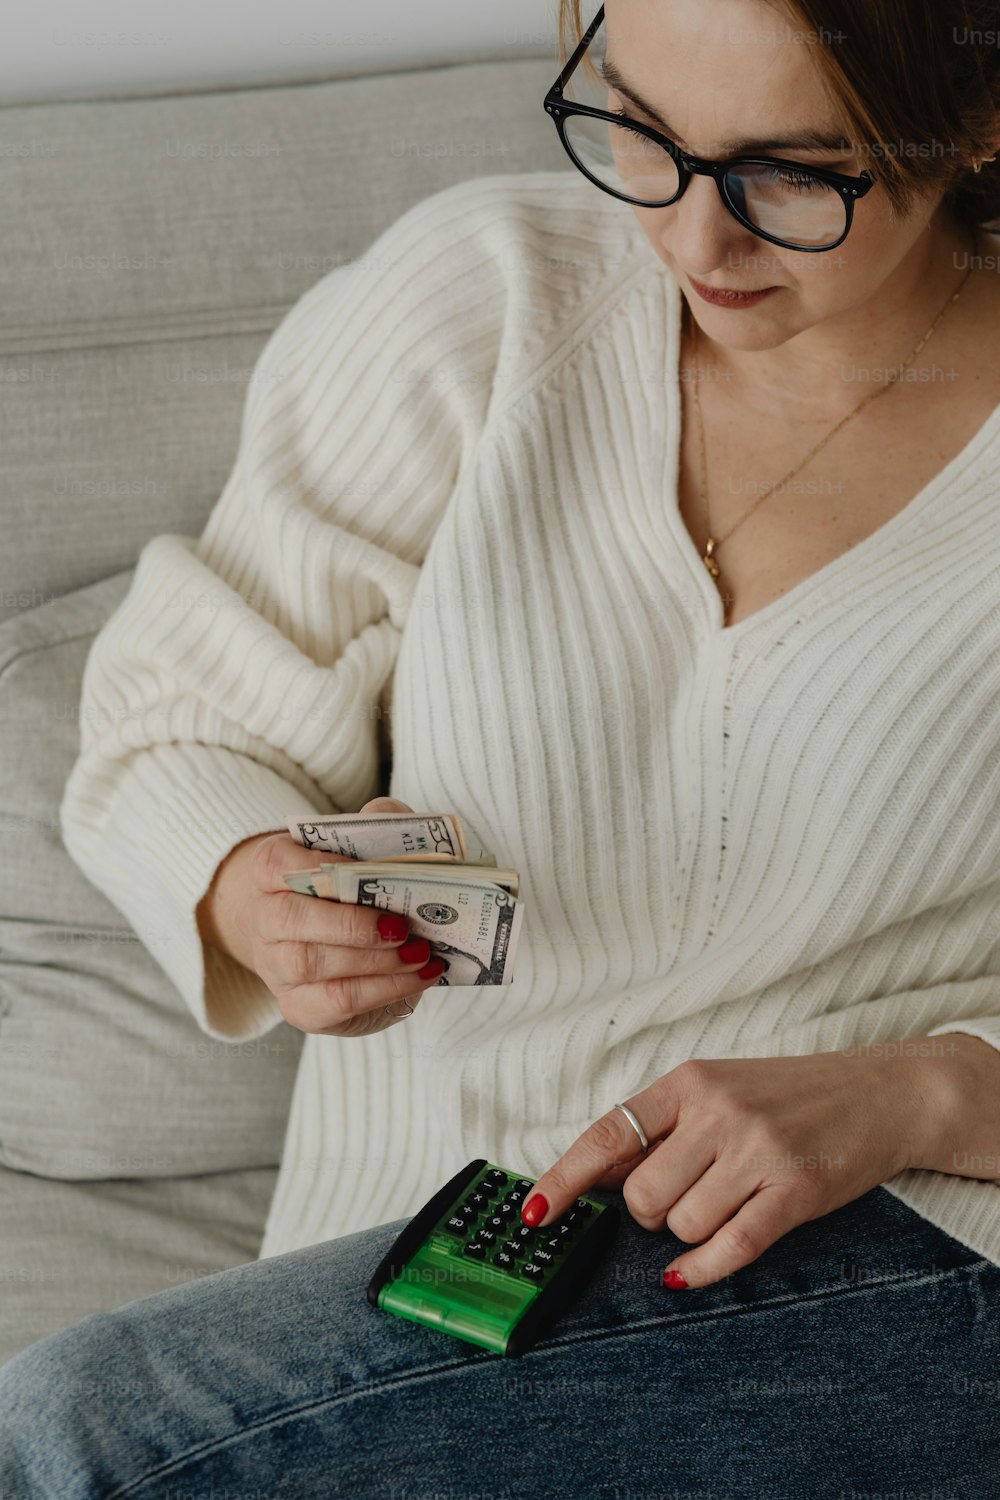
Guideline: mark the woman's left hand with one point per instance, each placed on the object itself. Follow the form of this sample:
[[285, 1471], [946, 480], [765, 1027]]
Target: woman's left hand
[[743, 1150]]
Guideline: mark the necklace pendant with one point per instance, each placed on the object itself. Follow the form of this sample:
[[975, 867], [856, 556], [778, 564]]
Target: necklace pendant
[[709, 560]]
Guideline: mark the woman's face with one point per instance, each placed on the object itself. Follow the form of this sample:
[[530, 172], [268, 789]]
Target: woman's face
[[741, 71]]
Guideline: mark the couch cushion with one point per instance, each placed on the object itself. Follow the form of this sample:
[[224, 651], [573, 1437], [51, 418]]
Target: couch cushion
[[103, 1070], [73, 1248], [150, 247]]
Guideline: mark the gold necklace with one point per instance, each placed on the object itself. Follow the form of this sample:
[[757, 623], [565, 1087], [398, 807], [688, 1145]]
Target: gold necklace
[[714, 543]]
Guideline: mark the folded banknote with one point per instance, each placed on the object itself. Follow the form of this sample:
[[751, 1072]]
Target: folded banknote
[[417, 864]]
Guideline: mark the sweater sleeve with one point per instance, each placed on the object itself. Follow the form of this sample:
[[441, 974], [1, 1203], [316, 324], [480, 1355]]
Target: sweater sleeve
[[243, 677], [986, 1028]]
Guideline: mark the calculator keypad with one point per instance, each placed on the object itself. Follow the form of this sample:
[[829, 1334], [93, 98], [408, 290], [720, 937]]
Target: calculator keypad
[[487, 1227]]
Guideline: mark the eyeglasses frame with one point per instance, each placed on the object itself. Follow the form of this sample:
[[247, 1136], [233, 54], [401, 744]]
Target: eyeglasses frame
[[851, 188]]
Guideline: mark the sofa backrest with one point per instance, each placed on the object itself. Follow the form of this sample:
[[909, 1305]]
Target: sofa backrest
[[151, 246]]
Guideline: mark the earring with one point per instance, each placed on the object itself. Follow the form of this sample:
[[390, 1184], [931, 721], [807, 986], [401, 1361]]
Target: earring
[[977, 163]]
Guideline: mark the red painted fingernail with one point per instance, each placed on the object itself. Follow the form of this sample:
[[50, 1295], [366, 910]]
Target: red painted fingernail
[[536, 1208], [392, 928], [433, 970], [416, 951], [673, 1279]]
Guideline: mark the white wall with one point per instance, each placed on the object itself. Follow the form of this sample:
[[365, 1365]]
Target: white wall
[[77, 49]]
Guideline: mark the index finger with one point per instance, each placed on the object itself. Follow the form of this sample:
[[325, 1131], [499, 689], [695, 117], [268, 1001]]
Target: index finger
[[609, 1142]]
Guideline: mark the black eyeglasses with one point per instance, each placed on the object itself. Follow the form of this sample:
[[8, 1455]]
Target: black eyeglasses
[[785, 202]]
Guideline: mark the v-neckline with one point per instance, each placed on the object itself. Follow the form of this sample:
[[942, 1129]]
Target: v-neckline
[[670, 488]]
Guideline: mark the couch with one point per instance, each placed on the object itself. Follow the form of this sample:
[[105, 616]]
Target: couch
[[151, 245]]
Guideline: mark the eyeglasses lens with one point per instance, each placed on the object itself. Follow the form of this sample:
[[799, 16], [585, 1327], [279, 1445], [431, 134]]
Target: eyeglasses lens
[[793, 206]]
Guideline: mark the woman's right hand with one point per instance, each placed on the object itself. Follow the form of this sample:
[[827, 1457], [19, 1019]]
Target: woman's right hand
[[332, 967]]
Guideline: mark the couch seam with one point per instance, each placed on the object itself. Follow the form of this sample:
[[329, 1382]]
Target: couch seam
[[185, 326], [221, 89], [63, 640]]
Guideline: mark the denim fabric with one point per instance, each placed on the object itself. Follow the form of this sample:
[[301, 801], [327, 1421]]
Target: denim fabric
[[859, 1356]]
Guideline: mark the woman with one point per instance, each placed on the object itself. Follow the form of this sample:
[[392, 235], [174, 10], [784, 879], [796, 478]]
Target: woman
[[502, 511]]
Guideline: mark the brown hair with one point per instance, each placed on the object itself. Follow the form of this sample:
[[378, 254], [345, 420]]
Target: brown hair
[[916, 84]]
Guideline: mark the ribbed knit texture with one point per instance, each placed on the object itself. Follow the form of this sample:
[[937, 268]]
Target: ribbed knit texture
[[452, 531]]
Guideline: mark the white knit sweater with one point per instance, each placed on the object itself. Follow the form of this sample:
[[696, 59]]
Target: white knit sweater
[[451, 533]]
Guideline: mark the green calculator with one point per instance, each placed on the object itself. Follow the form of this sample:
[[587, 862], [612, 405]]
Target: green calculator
[[467, 1266]]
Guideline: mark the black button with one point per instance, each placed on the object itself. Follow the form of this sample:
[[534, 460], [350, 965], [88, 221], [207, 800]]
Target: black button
[[513, 1247], [486, 1236], [504, 1260], [494, 1177], [457, 1225], [505, 1209], [476, 1249], [584, 1207], [532, 1271]]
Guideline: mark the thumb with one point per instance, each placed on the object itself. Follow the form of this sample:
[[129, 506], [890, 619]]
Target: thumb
[[386, 805]]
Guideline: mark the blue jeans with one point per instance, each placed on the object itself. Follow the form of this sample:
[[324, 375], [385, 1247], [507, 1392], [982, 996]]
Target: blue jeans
[[858, 1356]]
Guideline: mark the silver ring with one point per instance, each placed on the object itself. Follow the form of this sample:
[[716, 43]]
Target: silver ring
[[396, 1016], [634, 1123]]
